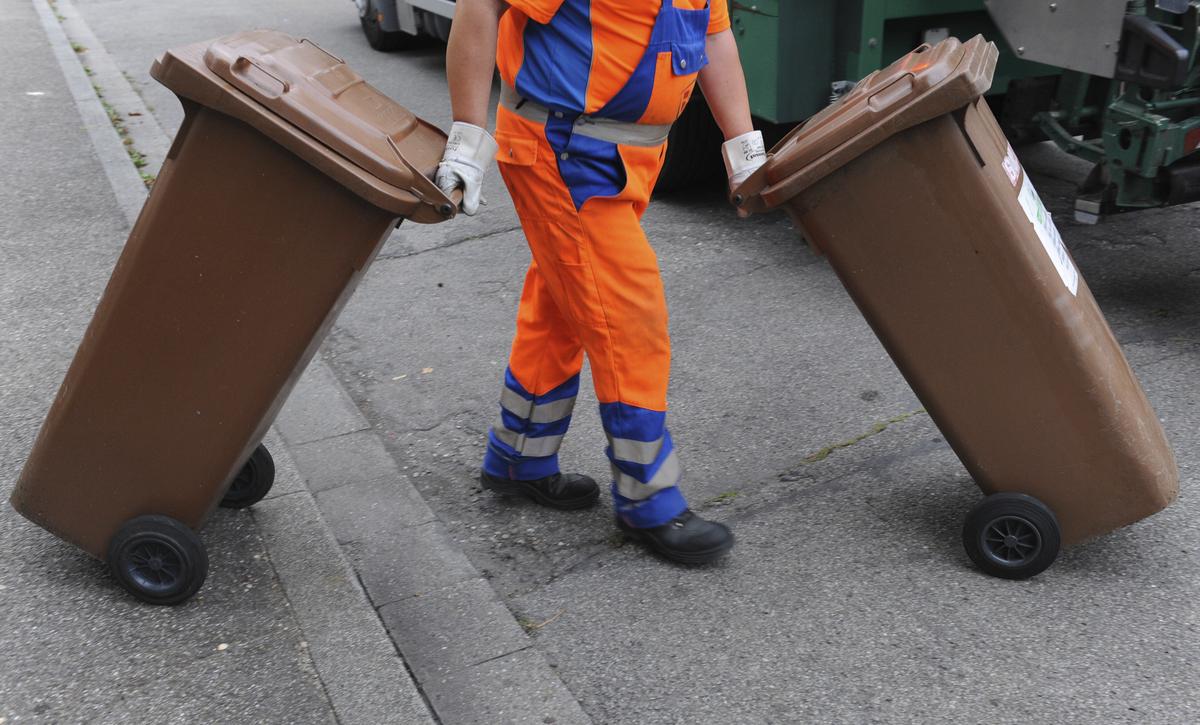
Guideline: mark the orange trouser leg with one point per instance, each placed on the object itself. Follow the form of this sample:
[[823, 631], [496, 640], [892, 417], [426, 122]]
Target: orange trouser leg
[[546, 352]]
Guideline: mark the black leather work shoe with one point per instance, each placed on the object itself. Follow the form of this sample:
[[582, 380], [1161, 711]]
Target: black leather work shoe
[[686, 539], [565, 492]]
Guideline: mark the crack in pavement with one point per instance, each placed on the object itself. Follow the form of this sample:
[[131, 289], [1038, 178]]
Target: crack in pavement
[[440, 422], [497, 657], [447, 245], [748, 272], [875, 430], [580, 563], [840, 481]]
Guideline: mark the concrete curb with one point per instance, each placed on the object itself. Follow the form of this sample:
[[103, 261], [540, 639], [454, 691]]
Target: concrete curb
[[143, 134], [122, 175], [470, 657], [357, 663], [363, 675]]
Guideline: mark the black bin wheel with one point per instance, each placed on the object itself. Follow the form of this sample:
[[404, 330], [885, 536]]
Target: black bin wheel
[[158, 559], [1012, 536], [253, 482]]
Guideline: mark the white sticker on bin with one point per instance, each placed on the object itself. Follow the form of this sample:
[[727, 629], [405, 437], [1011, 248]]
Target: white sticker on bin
[[1012, 167], [1043, 224]]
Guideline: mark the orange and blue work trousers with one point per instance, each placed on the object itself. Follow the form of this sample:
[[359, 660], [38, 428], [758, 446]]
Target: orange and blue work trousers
[[593, 284]]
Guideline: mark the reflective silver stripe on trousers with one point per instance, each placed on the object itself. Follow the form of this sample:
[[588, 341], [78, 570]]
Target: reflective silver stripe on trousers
[[539, 447], [668, 475], [643, 452], [604, 129], [524, 409]]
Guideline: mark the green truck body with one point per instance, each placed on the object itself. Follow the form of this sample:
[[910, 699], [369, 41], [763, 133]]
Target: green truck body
[[1141, 136], [793, 51]]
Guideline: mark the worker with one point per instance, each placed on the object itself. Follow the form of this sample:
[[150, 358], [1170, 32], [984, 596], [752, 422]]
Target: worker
[[589, 91]]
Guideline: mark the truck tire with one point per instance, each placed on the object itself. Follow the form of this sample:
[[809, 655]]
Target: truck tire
[[693, 150], [378, 38]]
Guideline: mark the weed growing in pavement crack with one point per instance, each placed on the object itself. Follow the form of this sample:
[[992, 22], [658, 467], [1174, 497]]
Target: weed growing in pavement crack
[[114, 117], [138, 159], [874, 430], [721, 498], [530, 626]]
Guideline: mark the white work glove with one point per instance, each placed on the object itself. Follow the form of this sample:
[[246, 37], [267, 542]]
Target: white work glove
[[743, 155], [469, 152]]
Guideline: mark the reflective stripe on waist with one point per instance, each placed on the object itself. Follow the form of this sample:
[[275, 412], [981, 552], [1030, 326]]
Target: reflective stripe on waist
[[603, 129]]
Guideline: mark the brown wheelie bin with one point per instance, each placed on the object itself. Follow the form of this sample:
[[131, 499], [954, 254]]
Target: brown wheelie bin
[[287, 175], [911, 190]]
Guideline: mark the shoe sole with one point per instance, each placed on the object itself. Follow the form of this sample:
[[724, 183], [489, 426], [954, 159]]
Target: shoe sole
[[679, 557], [520, 488]]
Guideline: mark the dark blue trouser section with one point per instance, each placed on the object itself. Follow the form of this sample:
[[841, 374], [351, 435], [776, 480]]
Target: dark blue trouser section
[[520, 448]]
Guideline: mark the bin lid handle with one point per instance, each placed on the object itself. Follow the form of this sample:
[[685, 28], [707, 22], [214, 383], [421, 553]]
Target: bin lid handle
[[748, 196], [239, 69], [326, 52], [422, 187]]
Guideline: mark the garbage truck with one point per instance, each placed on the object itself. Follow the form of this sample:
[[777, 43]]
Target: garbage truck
[[1114, 82]]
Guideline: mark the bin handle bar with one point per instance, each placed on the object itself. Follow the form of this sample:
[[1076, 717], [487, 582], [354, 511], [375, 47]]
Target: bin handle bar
[[424, 189], [326, 52], [242, 61]]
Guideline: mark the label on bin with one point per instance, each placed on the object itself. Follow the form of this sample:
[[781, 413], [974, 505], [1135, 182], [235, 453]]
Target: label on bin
[[1012, 167], [1048, 234]]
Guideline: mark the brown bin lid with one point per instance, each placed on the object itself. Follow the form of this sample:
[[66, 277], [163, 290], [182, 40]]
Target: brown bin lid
[[264, 77], [926, 83]]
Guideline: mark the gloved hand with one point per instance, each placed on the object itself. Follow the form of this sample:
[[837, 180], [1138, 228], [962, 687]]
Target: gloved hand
[[743, 155], [469, 152]]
